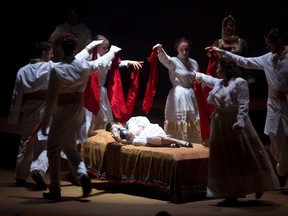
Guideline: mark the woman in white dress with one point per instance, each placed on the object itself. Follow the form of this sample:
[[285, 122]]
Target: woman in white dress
[[181, 109]]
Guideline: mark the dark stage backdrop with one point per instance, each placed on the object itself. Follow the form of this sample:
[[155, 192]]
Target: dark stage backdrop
[[136, 26]]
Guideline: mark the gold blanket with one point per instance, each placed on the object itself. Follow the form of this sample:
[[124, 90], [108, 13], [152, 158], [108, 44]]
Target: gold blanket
[[170, 169]]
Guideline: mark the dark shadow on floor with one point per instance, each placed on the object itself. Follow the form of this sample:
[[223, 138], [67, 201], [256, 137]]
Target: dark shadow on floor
[[146, 191], [250, 204], [9, 149]]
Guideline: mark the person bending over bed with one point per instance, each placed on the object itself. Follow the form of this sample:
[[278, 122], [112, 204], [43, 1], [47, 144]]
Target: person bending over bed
[[138, 130]]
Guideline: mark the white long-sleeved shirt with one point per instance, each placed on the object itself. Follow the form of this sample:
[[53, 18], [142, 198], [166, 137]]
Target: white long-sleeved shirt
[[31, 78], [275, 68]]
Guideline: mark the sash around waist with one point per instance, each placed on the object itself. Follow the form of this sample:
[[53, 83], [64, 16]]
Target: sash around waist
[[184, 86], [38, 95], [277, 95], [65, 98], [68, 98]]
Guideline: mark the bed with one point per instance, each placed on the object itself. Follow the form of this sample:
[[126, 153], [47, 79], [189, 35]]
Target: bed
[[172, 170]]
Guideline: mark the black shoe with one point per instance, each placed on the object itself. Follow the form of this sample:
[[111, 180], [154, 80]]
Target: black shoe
[[86, 185], [37, 177], [20, 182], [189, 145], [175, 145], [282, 180], [52, 196], [258, 195]]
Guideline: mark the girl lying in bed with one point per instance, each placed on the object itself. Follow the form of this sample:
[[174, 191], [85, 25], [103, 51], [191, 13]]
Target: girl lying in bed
[[139, 130]]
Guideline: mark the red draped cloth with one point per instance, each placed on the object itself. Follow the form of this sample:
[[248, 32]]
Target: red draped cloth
[[152, 82], [212, 65], [115, 89], [121, 109], [131, 96], [205, 109], [92, 91], [211, 70]]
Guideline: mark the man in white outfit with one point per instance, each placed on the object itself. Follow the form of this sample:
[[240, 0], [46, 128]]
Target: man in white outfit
[[65, 103], [27, 102]]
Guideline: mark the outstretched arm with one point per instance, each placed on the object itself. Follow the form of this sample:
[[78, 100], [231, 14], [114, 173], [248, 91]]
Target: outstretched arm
[[136, 64], [85, 53], [105, 60], [220, 52]]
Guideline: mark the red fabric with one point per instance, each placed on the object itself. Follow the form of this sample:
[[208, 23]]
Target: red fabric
[[211, 70], [152, 82], [92, 94], [212, 65], [115, 90], [92, 91], [94, 54], [205, 109], [201, 96], [131, 96], [122, 111]]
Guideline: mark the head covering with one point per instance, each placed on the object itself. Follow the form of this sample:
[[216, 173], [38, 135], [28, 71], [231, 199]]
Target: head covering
[[224, 36]]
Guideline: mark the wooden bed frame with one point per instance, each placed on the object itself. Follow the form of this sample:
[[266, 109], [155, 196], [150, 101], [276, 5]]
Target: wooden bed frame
[[172, 170]]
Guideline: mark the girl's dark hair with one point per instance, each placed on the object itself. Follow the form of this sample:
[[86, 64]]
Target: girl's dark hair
[[109, 125], [181, 40], [276, 34], [230, 69], [273, 35], [41, 47], [69, 45], [101, 37]]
